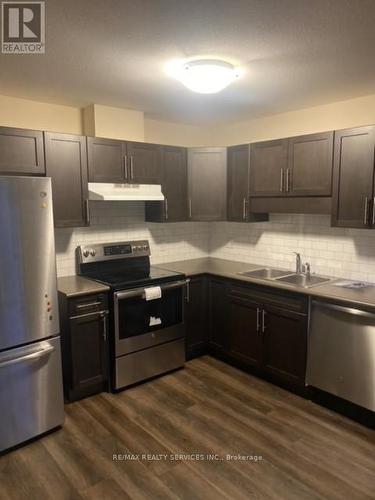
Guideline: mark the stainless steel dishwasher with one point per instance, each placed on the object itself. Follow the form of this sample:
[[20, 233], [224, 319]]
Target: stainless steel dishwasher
[[341, 352]]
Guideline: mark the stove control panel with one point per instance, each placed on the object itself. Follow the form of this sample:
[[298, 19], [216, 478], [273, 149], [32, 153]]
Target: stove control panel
[[112, 251]]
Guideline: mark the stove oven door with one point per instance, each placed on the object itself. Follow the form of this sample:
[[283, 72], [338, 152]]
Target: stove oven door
[[141, 323]]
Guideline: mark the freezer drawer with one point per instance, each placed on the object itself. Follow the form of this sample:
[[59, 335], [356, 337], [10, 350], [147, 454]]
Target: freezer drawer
[[147, 363], [341, 352], [31, 396]]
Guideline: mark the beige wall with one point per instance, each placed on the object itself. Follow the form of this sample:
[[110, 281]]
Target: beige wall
[[118, 123], [177, 134], [343, 114], [23, 113]]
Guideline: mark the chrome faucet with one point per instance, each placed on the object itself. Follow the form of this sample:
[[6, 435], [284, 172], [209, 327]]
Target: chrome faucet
[[298, 263]]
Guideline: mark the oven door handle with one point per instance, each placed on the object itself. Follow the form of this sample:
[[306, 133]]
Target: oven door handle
[[140, 292]]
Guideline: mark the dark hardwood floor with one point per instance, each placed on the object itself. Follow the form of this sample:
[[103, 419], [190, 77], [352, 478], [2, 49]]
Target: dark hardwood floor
[[307, 452]]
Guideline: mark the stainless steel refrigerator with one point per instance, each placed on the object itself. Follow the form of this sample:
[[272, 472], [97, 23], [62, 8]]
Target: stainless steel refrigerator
[[31, 394]]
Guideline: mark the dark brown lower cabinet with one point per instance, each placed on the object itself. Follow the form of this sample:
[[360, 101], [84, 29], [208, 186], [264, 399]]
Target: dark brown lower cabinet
[[245, 338], [196, 318], [284, 345], [84, 345], [260, 329], [219, 315]]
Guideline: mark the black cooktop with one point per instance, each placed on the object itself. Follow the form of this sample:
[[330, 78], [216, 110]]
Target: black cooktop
[[119, 279]]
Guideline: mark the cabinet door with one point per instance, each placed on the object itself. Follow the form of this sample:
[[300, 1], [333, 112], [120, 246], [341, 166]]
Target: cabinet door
[[237, 182], [207, 179], [174, 184], [88, 350], [66, 164], [144, 163], [106, 160], [353, 177], [268, 163], [284, 344], [21, 152], [310, 162], [245, 335], [218, 315], [196, 318]]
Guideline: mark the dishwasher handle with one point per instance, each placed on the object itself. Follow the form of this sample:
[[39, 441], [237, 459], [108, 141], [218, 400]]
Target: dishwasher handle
[[344, 309]]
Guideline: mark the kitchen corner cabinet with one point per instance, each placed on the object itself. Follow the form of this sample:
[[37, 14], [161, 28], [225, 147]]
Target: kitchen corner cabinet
[[66, 164], [353, 178], [123, 162], [84, 345], [196, 317], [294, 167], [238, 165], [207, 184], [174, 186], [21, 152]]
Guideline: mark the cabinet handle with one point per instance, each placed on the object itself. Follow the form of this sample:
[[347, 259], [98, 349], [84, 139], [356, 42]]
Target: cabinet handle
[[87, 211], [281, 180], [131, 168], [244, 209], [188, 290], [258, 321], [287, 180], [89, 304], [166, 208], [190, 211], [263, 320], [373, 211], [104, 319], [125, 166], [365, 219]]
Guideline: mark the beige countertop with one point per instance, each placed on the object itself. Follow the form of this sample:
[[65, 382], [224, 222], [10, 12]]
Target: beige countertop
[[74, 286], [364, 297]]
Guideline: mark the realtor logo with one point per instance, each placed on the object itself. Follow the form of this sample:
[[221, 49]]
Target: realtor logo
[[23, 27]]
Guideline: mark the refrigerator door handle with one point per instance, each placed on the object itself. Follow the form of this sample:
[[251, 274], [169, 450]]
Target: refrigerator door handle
[[28, 357]]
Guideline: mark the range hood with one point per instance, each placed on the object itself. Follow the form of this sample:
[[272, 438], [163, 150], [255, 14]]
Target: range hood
[[124, 192]]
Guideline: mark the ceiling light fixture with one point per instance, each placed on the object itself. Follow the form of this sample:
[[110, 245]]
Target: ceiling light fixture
[[205, 76]]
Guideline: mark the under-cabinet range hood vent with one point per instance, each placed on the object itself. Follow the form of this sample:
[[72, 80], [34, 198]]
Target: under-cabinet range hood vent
[[124, 192]]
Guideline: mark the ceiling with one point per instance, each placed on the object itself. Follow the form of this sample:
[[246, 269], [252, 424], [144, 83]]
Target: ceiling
[[296, 53]]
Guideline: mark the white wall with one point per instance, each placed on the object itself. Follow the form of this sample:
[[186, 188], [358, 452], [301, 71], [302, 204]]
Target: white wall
[[122, 221]]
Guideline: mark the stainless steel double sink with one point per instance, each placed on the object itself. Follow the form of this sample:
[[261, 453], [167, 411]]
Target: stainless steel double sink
[[286, 277]]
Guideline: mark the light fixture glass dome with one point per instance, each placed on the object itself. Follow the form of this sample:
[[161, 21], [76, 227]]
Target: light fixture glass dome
[[205, 76]]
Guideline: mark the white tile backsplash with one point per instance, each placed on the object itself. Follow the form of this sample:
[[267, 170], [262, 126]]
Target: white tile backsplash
[[348, 253], [122, 221]]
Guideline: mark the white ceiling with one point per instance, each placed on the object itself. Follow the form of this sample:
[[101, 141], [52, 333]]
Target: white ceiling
[[296, 53]]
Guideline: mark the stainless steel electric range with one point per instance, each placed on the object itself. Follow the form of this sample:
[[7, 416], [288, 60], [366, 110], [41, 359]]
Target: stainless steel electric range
[[147, 330]]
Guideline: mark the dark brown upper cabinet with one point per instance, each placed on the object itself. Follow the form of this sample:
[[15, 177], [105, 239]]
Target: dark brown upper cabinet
[[21, 152], [269, 161], [106, 160], [123, 162], [174, 186], [310, 162], [298, 166], [66, 162], [207, 184], [353, 178], [144, 163], [238, 167]]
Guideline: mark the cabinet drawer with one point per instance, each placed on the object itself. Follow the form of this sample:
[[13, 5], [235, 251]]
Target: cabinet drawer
[[283, 300], [87, 304]]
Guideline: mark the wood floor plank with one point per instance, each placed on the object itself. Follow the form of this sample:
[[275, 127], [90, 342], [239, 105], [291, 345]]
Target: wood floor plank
[[209, 408]]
